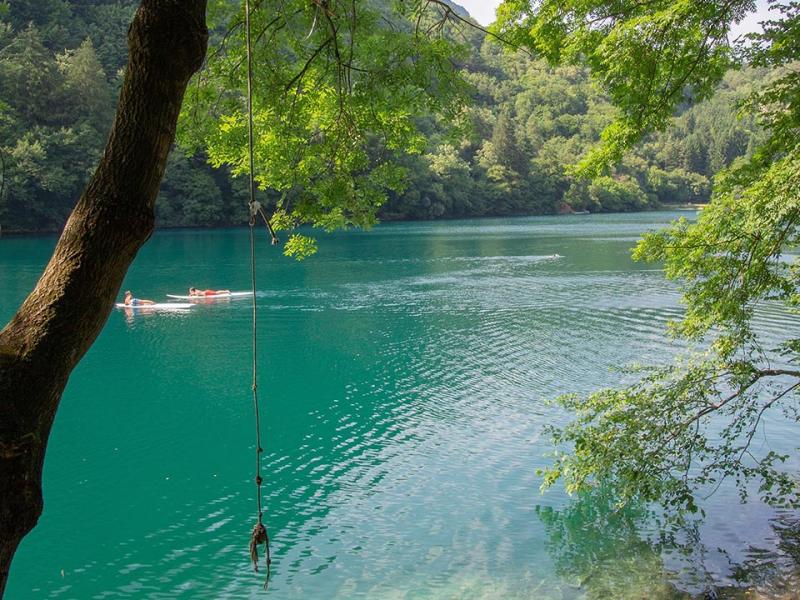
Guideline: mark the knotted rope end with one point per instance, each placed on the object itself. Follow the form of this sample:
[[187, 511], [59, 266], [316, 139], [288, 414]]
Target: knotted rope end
[[259, 536]]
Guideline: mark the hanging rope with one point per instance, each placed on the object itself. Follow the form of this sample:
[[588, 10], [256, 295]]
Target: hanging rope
[[259, 535]]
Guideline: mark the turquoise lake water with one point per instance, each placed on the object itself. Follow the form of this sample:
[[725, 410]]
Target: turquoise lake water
[[404, 375]]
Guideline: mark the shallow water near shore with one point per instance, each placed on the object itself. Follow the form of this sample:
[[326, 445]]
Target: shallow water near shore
[[404, 378]]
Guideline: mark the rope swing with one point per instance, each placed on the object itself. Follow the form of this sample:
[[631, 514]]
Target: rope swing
[[259, 535]]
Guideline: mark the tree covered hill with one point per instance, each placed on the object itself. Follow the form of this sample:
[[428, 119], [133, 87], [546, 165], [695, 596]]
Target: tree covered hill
[[60, 70]]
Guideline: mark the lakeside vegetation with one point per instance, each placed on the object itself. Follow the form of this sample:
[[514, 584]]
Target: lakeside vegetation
[[61, 68], [682, 429]]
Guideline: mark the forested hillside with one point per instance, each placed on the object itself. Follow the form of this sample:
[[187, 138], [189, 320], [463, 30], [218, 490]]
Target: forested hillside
[[60, 68]]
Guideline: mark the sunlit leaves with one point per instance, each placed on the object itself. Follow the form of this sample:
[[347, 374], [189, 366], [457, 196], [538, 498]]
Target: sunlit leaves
[[682, 430], [300, 246], [338, 87], [732, 258], [650, 57]]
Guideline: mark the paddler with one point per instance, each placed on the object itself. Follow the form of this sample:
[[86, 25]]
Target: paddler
[[195, 292], [131, 301]]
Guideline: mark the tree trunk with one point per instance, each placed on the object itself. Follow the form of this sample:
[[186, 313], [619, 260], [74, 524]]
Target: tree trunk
[[60, 319]]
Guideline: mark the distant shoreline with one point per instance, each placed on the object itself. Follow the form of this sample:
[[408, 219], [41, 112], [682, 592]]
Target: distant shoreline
[[665, 207], [687, 206]]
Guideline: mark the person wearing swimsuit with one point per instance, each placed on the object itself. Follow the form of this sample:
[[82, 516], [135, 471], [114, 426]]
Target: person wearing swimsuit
[[131, 301], [195, 292]]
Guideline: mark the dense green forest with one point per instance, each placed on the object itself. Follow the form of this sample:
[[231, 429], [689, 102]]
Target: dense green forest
[[60, 69]]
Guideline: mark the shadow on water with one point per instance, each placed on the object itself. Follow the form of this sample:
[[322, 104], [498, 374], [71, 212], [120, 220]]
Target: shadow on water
[[603, 551]]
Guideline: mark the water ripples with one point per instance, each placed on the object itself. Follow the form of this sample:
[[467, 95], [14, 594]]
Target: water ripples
[[404, 380]]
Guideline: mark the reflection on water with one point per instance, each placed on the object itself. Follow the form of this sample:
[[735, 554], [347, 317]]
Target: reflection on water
[[598, 548], [405, 374], [775, 570], [611, 552]]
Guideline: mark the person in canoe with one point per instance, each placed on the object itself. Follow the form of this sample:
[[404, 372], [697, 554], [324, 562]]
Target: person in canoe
[[131, 301], [201, 293]]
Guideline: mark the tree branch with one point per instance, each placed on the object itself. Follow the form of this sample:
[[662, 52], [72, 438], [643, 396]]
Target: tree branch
[[451, 13]]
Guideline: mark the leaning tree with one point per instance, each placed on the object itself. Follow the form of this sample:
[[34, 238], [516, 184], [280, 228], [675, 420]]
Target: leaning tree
[[62, 316], [339, 85]]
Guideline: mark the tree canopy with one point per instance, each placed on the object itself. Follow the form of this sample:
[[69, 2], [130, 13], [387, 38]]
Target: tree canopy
[[501, 149], [338, 91], [683, 429]]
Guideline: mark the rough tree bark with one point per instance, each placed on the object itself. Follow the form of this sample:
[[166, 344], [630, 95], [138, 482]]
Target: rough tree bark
[[60, 319]]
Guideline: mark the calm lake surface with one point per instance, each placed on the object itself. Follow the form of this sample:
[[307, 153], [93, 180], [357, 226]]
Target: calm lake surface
[[404, 379]]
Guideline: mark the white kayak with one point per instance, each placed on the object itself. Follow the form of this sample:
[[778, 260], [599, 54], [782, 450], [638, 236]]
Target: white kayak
[[210, 296], [157, 306]]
